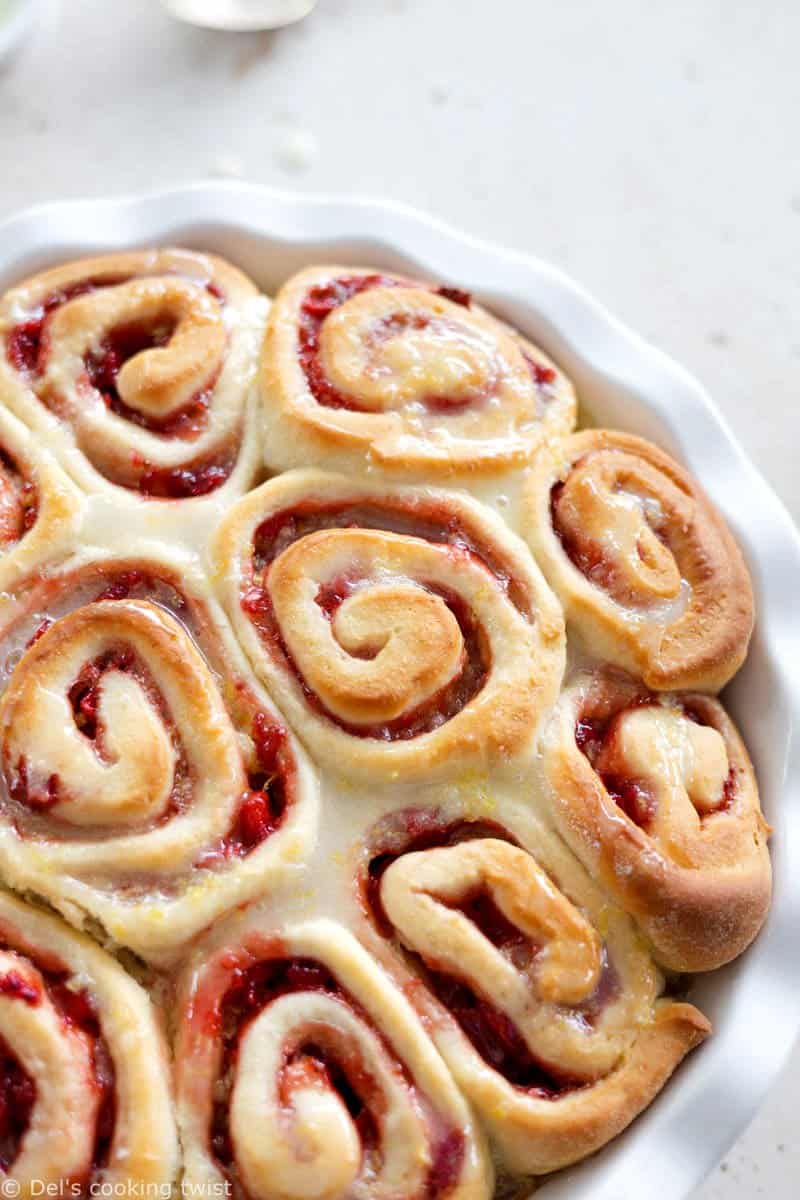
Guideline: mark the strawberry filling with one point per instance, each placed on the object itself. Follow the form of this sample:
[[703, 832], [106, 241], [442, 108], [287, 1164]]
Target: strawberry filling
[[318, 1058], [324, 298], [27, 350], [105, 363], [18, 1090], [633, 795], [430, 521], [493, 1035]]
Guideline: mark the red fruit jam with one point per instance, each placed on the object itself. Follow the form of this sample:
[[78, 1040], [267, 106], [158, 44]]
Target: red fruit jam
[[322, 299], [17, 1098], [26, 346], [17, 1089], [634, 796], [429, 521], [41, 794], [19, 502], [118, 347], [491, 1032], [268, 798], [325, 1058], [185, 483]]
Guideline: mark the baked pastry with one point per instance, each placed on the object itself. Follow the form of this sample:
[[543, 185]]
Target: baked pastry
[[148, 784], [84, 1071], [539, 994], [646, 568], [406, 631], [303, 1071], [135, 369], [40, 509], [361, 367], [407, 847], [657, 797]]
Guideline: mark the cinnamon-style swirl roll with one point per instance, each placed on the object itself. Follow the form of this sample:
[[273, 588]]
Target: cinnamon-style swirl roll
[[303, 1071], [84, 1075], [148, 784], [40, 508], [363, 367], [460, 974], [539, 993], [645, 566], [405, 632], [136, 368], [657, 796]]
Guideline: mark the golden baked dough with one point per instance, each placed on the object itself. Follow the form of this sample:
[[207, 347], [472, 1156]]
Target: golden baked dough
[[539, 994], [148, 783], [85, 1066], [136, 370], [646, 568], [422, 958], [404, 631], [363, 367], [40, 509], [657, 796], [303, 1071]]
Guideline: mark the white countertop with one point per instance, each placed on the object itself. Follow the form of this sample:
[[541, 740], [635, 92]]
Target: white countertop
[[649, 150]]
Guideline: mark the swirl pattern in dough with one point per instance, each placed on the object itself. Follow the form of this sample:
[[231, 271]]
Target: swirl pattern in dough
[[657, 796], [137, 370], [643, 563], [84, 1072], [148, 784], [365, 367], [40, 509], [539, 994], [458, 974], [303, 1071], [405, 631]]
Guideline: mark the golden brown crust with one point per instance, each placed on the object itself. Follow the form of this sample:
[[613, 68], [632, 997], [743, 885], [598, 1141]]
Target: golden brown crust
[[646, 567], [563, 1131], [586, 1042], [136, 370], [130, 731], [403, 378], [421, 617], [689, 859], [470, 946]]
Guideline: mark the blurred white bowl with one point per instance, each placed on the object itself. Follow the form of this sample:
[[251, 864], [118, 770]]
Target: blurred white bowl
[[239, 14]]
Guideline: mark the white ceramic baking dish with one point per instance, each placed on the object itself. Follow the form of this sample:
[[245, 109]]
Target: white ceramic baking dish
[[623, 382]]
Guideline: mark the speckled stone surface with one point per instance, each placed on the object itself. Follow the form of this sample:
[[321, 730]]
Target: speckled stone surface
[[652, 151]]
